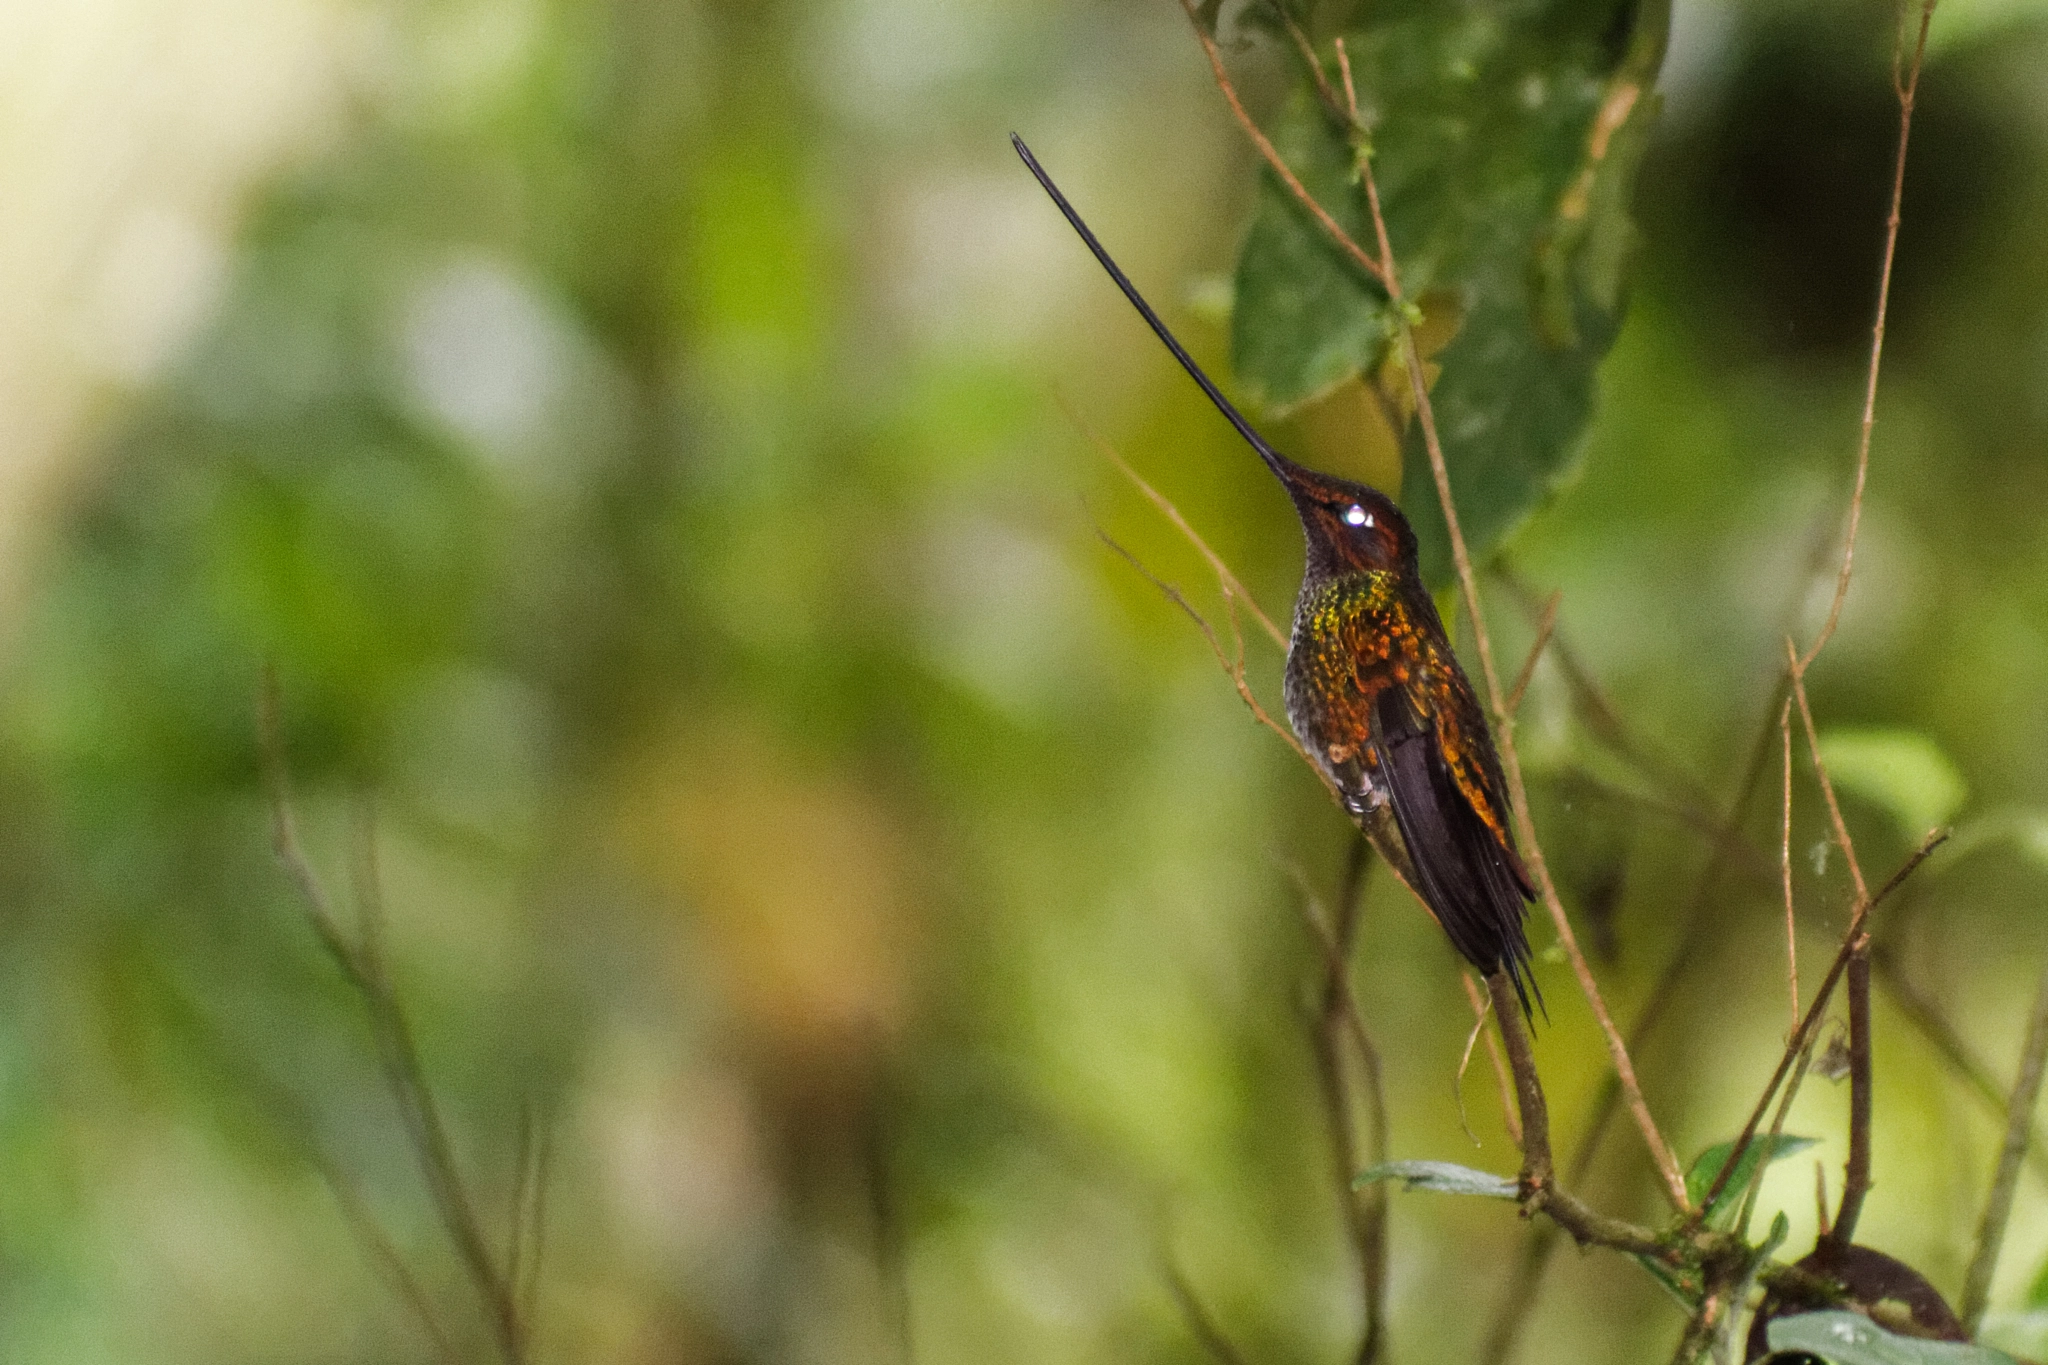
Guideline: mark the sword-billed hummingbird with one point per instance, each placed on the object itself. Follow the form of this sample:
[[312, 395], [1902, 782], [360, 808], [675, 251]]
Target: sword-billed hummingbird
[[1376, 695]]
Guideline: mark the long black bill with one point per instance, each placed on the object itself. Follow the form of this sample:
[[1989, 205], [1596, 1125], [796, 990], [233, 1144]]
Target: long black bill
[[1275, 461]]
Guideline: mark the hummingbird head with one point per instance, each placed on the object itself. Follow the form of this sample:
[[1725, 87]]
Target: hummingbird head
[[1351, 527]]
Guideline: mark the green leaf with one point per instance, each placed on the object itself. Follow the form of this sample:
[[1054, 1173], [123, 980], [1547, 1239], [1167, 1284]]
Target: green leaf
[[1852, 1339], [1706, 1168], [1443, 1177], [1307, 315], [1502, 217], [1902, 771]]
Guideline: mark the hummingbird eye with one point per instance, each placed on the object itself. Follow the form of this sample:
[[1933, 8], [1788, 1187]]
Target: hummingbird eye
[[1355, 515]]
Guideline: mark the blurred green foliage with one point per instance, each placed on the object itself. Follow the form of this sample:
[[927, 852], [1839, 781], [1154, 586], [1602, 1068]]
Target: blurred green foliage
[[632, 440]]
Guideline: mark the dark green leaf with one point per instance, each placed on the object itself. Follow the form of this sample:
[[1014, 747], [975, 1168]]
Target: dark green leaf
[[1852, 1339], [1444, 1177], [1500, 212], [1706, 1168]]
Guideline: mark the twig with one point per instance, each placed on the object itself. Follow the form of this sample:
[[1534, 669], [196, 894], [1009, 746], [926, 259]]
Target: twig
[[1339, 113], [362, 965], [1234, 666], [1201, 1324], [1785, 871], [1797, 1043], [1350, 90], [1756, 1175], [1273, 158], [1535, 1140], [2019, 1126], [407, 1080], [1227, 581], [527, 1295], [1856, 1174], [1481, 1007], [1820, 773], [291, 1114], [1543, 632], [1337, 1022], [1906, 89]]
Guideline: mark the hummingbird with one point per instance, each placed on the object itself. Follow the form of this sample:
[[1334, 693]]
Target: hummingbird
[[1375, 694]]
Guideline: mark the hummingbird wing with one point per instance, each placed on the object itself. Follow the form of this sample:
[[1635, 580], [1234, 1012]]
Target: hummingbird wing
[[1466, 869]]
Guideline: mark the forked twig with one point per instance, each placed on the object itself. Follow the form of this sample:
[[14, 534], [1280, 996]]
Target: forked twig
[[1797, 1043], [1232, 665], [362, 965], [1273, 158], [1233, 590]]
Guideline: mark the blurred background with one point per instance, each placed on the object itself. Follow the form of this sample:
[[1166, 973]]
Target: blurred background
[[632, 430]]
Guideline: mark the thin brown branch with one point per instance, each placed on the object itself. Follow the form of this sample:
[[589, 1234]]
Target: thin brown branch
[[1275, 160], [406, 1078], [2019, 1129], [1227, 581], [1856, 1175], [1232, 666], [1785, 1098], [1537, 1171], [362, 965], [1906, 89], [528, 1294], [1544, 627], [1820, 773], [1338, 112], [284, 835], [1481, 1007], [1339, 1022], [290, 1114], [1851, 939], [1202, 1324], [1785, 871], [1350, 89]]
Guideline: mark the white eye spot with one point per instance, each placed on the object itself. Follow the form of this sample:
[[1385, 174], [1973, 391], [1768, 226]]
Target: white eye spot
[[1357, 516]]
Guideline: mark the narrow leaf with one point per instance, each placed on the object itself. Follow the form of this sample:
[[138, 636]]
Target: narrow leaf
[[1443, 1177], [1852, 1339], [1706, 1168]]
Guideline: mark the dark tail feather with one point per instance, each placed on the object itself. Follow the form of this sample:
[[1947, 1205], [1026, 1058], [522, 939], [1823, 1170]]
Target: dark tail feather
[[1470, 880]]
